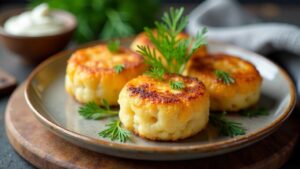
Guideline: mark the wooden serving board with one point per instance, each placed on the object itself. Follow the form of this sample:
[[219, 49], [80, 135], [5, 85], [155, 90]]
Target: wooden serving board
[[45, 150]]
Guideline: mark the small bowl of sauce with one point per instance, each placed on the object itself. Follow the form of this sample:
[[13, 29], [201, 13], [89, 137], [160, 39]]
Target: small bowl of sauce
[[38, 33]]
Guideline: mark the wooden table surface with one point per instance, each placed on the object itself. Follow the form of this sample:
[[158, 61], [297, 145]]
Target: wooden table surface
[[15, 66]]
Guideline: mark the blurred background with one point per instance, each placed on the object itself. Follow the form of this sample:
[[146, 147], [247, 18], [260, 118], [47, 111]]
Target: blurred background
[[99, 19]]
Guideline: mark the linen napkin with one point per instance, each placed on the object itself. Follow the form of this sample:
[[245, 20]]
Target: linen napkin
[[227, 21]]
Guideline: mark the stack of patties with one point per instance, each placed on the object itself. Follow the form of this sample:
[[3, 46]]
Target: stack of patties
[[180, 84]]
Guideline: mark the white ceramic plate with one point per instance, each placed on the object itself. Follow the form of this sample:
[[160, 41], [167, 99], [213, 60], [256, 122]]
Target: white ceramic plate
[[46, 96]]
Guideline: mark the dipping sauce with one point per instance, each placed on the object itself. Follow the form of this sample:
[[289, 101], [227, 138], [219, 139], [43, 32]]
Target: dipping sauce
[[37, 22]]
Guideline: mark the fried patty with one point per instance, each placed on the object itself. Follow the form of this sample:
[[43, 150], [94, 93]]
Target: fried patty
[[91, 74], [153, 110], [245, 90]]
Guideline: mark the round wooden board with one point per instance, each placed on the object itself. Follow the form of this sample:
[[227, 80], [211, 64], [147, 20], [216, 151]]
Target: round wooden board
[[45, 150]]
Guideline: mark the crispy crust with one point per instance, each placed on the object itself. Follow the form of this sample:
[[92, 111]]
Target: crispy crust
[[85, 60], [146, 88], [243, 93], [90, 74], [239, 69], [152, 109]]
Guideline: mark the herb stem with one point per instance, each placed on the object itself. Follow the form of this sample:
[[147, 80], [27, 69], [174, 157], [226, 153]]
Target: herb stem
[[93, 111], [225, 126], [114, 131], [175, 51]]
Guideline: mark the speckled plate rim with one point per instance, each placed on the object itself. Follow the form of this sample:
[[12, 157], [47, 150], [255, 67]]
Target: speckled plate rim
[[209, 147]]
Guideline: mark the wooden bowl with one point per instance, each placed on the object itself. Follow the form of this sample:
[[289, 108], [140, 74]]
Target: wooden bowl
[[37, 49]]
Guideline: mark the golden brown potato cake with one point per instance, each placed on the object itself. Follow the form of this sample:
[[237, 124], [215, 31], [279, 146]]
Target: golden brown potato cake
[[153, 110], [245, 90], [91, 74]]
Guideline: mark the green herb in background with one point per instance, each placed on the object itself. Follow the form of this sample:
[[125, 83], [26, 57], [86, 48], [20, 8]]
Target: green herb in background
[[106, 19]]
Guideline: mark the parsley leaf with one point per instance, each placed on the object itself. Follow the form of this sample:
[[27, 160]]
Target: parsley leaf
[[176, 85], [114, 131], [255, 112], [92, 111], [113, 46], [119, 68], [226, 127], [224, 77]]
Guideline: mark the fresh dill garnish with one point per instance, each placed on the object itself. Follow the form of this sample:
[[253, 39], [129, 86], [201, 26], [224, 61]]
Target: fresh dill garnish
[[156, 73], [119, 68], [156, 67], [92, 111], [262, 111], [113, 45], [175, 52], [114, 131], [224, 77], [225, 126], [176, 85]]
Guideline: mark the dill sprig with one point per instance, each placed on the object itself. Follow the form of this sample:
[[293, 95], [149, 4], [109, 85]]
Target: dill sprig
[[114, 131], [150, 57], [113, 45], [119, 68], [224, 77], [261, 111], [92, 111], [176, 85], [175, 52], [225, 126], [156, 73]]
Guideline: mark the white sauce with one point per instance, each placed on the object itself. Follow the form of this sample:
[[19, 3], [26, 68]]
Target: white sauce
[[37, 22]]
